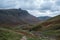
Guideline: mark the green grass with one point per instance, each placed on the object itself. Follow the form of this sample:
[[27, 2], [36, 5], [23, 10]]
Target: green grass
[[52, 33], [9, 35]]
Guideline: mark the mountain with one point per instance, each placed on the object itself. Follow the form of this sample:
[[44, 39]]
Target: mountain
[[12, 22], [43, 18], [16, 17], [49, 28]]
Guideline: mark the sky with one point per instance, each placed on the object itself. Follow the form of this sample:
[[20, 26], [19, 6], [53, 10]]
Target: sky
[[34, 7]]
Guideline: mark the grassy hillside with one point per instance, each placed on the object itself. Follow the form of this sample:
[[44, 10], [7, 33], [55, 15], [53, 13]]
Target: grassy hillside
[[9, 34], [50, 28], [6, 34], [54, 20], [49, 24]]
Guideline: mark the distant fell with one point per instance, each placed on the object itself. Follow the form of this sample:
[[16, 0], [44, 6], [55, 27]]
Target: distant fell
[[44, 18]]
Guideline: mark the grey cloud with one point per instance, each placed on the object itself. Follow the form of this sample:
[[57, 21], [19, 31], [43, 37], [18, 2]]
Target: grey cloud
[[54, 9], [57, 2], [28, 5], [49, 6], [45, 6], [7, 4], [24, 4]]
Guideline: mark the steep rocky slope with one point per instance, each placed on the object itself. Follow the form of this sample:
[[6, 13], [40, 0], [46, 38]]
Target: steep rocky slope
[[16, 16]]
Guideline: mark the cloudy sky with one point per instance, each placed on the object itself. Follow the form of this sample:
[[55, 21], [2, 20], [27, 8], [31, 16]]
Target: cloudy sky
[[34, 7]]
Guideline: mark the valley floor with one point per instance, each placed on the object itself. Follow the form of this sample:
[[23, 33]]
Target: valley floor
[[6, 34]]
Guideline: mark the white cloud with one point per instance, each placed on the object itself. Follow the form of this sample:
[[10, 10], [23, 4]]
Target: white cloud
[[38, 13]]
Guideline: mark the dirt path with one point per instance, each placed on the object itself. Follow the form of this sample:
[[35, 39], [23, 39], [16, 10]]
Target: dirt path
[[24, 38]]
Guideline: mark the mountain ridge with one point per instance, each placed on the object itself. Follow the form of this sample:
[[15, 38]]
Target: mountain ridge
[[44, 18], [16, 16]]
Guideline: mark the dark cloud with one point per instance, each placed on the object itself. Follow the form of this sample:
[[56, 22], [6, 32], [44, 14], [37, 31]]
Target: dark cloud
[[45, 6]]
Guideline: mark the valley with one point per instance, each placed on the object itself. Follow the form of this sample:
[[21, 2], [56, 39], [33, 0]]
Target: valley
[[18, 24]]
